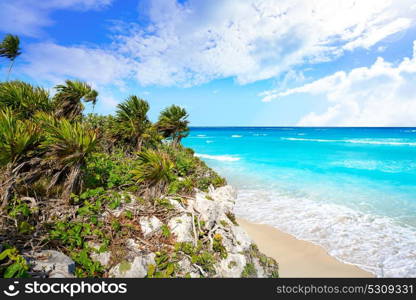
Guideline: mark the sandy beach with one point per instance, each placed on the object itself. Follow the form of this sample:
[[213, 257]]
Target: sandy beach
[[298, 258]]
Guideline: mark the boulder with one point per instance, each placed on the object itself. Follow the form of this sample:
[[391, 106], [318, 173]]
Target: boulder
[[133, 269], [55, 263]]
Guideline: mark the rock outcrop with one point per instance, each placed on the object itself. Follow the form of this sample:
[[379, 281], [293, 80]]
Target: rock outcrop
[[199, 237], [52, 264]]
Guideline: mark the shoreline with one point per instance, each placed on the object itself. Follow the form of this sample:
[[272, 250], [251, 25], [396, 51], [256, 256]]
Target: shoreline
[[298, 258]]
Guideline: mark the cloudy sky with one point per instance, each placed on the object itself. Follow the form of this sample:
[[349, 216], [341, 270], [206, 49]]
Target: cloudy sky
[[229, 62]]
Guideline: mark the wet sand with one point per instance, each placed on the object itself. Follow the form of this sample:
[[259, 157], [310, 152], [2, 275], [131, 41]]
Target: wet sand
[[298, 258]]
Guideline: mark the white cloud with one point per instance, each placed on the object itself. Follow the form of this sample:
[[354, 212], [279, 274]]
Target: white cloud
[[192, 43], [383, 94], [52, 62], [28, 17], [250, 40]]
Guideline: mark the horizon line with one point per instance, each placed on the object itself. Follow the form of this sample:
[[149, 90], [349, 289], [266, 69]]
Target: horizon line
[[242, 126]]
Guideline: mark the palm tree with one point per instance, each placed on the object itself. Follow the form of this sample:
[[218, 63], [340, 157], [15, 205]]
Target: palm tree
[[68, 99], [17, 139], [132, 119], [24, 99], [9, 48], [173, 123], [68, 145]]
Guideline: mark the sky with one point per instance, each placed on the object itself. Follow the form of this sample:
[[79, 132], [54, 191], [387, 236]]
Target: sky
[[228, 62]]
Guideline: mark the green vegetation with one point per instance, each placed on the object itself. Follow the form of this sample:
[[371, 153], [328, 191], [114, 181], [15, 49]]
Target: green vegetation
[[81, 184], [61, 171], [10, 49]]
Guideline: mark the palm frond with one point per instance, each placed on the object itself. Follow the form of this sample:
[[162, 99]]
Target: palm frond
[[67, 145], [17, 137], [173, 123], [132, 120], [155, 168], [23, 98], [9, 47], [68, 98]]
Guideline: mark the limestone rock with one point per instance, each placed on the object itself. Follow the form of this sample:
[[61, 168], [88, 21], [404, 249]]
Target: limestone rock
[[135, 269], [181, 226], [232, 266], [55, 263], [178, 206], [186, 267], [209, 210], [225, 195], [102, 257], [241, 238], [259, 269], [150, 225]]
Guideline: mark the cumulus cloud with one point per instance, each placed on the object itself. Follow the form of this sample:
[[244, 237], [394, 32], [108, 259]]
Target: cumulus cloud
[[195, 42], [52, 62], [383, 94], [28, 17]]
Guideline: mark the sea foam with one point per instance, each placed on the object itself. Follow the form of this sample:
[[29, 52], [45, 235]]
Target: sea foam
[[353, 141], [218, 157], [375, 243]]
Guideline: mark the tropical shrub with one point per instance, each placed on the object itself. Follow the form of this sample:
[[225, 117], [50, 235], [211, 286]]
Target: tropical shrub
[[24, 99], [154, 171], [12, 264], [67, 147]]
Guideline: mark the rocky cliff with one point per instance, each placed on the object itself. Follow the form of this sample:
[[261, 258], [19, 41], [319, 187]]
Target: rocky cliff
[[193, 237]]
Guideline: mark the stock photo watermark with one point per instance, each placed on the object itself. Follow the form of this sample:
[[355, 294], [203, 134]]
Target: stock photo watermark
[[70, 289]]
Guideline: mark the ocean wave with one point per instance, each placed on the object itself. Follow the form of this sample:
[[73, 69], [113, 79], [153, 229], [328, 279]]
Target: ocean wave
[[310, 140], [201, 135], [390, 166], [209, 141], [354, 141], [375, 243], [218, 157], [236, 136]]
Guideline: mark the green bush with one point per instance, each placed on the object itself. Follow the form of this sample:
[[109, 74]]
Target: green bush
[[12, 264]]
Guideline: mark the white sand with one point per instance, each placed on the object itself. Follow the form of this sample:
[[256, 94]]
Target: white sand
[[298, 258]]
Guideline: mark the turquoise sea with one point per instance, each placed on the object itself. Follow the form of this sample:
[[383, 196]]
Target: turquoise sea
[[350, 190]]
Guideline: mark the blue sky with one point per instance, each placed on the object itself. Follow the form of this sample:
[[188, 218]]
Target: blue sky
[[228, 62]]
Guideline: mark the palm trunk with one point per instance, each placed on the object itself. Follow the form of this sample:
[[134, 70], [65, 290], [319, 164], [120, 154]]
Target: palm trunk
[[10, 69], [139, 144], [73, 182], [6, 186]]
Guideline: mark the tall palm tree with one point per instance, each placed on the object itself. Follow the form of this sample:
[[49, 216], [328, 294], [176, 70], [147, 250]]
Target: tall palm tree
[[10, 49], [68, 99], [68, 145], [173, 123], [132, 119]]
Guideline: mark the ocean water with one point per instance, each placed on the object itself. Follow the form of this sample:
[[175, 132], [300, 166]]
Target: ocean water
[[350, 190]]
